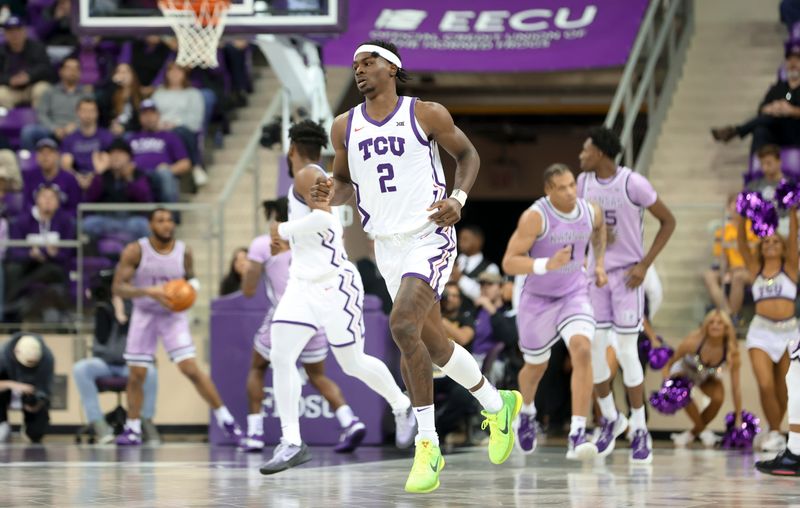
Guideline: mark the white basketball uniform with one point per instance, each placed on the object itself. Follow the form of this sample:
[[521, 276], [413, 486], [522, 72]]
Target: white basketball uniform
[[397, 174], [324, 289]]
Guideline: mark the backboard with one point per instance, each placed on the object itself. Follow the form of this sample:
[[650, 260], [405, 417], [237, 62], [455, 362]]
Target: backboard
[[127, 18]]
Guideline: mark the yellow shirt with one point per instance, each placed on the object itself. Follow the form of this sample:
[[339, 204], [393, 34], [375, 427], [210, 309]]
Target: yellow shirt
[[725, 243]]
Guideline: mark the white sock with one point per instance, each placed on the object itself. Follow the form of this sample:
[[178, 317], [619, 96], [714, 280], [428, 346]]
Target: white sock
[[576, 424], [528, 409], [223, 415], [426, 424], [607, 407], [489, 397], [637, 418], [794, 443], [345, 416], [255, 424], [134, 424]]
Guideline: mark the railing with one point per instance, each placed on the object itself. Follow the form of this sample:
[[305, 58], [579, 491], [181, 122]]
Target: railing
[[641, 85]]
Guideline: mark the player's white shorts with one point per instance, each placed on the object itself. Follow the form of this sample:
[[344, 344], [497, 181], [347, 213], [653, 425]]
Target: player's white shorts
[[334, 303], [428, 254], [772, 337]]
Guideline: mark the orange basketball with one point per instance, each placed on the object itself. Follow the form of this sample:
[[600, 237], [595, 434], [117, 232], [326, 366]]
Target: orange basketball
[[180, 293]]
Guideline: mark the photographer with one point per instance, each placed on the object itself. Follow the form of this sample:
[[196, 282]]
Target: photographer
[[26, 367]]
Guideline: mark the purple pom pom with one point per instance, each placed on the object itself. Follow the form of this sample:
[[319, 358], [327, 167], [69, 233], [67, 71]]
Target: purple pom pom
[[748, 203], [674, 395], [644, 347], [765, 220], [659, 356], [740, 436], [787, 194]]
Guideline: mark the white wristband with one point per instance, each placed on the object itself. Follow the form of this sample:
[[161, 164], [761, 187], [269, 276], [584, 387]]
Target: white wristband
[[540, 266], [459, 196], [194, 283]]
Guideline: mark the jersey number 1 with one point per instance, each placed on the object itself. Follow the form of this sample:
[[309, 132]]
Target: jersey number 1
[[387, 174]]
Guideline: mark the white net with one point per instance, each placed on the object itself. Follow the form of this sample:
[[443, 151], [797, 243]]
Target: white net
[[198, 25]]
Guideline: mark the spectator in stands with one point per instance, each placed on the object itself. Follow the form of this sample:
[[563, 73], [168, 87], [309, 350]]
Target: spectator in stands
[[10, 176], [24, 66], [55, 26], [56, 112], [778, 118], [235, 53], [49, 173], [77, 148], [27, 368], [159, 153], [118, 180], [459, 324], [147, 58], [471, 262], [790, 14], [372, 278], [727, 270], [119, 101], [770, 158], [494, 321], [181, 108], [233, 280], [43, 263], [110, 336]]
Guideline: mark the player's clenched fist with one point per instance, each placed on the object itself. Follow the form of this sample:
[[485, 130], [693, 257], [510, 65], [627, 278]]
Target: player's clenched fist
[[560, 258], [322, 190], [448, 212]]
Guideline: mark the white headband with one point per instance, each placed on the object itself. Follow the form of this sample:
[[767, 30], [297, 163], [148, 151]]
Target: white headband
[[385, 53]]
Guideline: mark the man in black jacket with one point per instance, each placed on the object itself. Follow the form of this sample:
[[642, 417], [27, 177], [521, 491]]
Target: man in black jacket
[[26, 367], [24, 66], [778, 118]]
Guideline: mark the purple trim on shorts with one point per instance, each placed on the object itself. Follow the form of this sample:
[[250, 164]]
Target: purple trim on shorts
[[348, 302], [547, 347], [328, 245], [417, 276], [414, 128], [138, 357], [349, 125], [298, 323], [575, 317], [382, 122], [446, 250], [364, 215], [344, 345]]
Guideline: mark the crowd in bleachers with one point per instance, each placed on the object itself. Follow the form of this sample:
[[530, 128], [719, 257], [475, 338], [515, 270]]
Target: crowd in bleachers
[[100, 121]]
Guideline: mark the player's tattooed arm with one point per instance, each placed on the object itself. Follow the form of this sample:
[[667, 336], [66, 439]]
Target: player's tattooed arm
[[188, 264], [435, 120], [599, 239], [126, 269], [516, 260], [339, 189]]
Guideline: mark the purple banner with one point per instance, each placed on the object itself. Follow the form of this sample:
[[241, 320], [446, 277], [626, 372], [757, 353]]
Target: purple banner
[[234, 321], [494, 35]]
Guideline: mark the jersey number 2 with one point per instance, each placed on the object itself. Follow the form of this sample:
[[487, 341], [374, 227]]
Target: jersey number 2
[[387, 174]]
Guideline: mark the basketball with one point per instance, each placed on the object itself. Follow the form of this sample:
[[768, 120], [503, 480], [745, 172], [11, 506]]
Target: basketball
[[180, 293]]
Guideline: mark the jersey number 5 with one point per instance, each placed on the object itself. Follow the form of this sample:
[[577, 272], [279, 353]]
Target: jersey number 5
[[387, 174], [611, 217]]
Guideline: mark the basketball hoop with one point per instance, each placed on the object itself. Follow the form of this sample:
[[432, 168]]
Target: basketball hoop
[[198, 25]]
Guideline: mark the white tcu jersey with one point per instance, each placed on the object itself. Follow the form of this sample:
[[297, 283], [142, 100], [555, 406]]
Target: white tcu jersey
[[395, 169], [314, 255]]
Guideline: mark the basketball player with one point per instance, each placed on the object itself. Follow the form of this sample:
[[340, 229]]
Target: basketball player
[[550, 245], [623, 196], [324, 291], [387, 151], [144, 266]]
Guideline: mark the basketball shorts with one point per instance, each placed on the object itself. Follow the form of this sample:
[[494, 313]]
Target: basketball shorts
[[617, 306], [315, 351], [427, 254], [147, 327]]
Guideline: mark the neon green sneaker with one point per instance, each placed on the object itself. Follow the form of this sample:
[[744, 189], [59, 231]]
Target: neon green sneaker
[[428, 463], [501, 435]]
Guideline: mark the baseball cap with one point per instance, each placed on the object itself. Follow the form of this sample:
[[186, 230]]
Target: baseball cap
[[47, 143], [791, 47], [28, 350], [120, 144], [13, 22], [148, 104]]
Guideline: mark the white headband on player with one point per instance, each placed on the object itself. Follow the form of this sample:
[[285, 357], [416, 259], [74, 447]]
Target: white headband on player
[[385, 53]]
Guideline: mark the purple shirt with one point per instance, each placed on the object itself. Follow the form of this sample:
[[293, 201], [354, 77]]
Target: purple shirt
[[81, 147], [68, 189], [623, 199], [151, 149], [61, 225], [484, 339], [558, 231], [276, 268]]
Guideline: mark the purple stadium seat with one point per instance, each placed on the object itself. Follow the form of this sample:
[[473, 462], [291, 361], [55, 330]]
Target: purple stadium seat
[[12, 203], [110, 246], [116, 384], [12, 121], [91, 266], [90, 70]]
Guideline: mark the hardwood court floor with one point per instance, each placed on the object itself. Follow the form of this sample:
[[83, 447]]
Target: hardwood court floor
[[195, 474]]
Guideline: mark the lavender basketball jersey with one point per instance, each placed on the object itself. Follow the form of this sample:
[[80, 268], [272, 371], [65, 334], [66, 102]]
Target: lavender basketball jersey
[[623, 199], [276, 267], [154, 270], [559, 231]]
